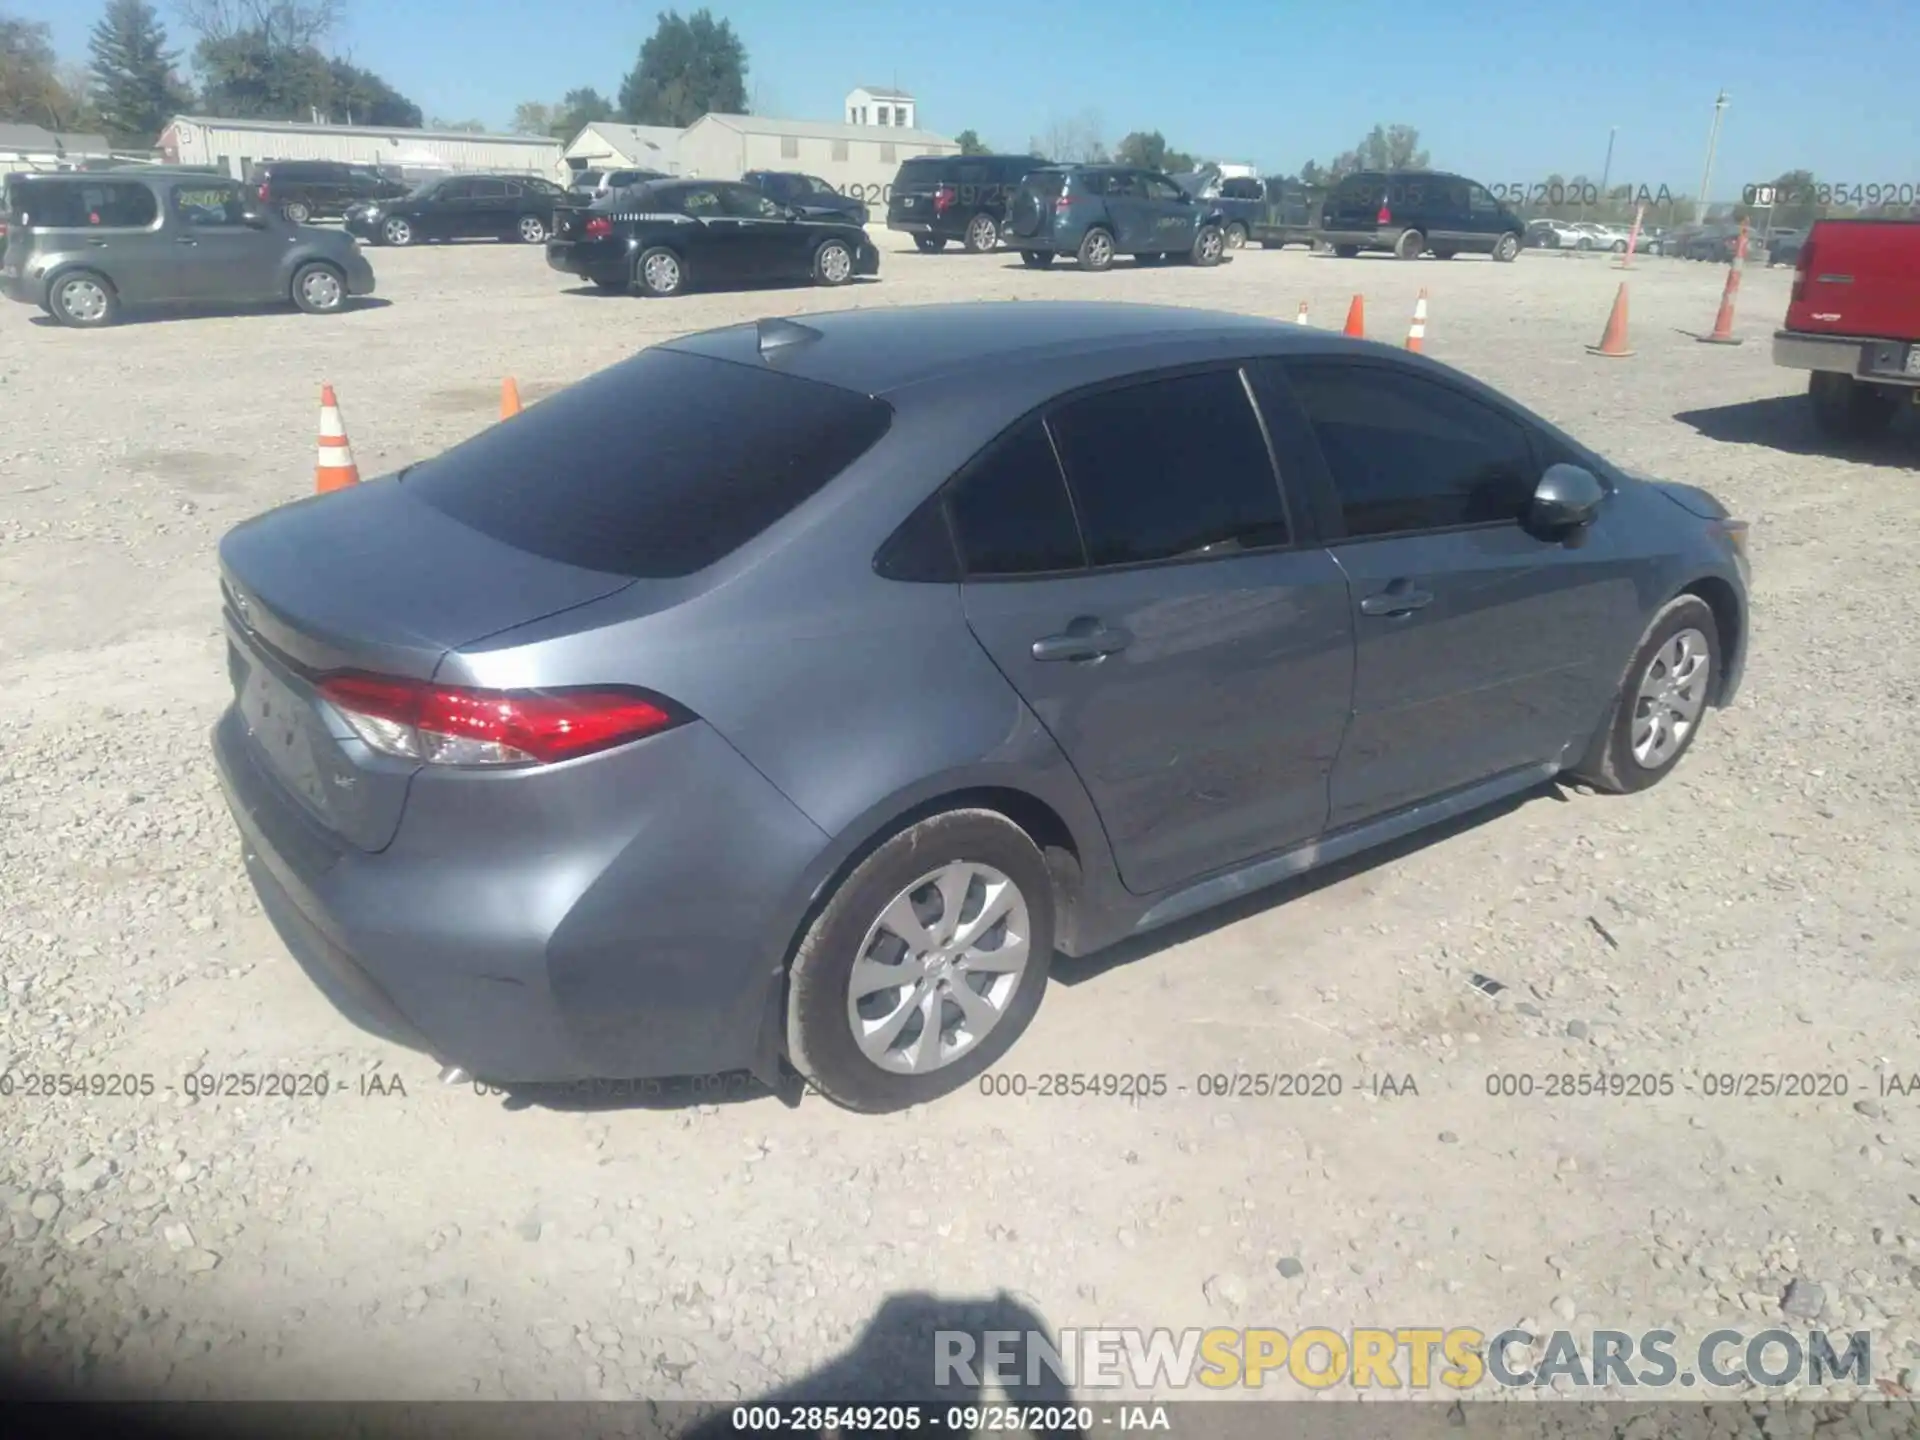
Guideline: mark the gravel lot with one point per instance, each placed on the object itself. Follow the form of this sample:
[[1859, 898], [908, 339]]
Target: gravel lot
[[401, 1239]]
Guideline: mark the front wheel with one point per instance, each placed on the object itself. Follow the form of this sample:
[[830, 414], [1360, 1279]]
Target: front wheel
[[659, 272], [1096, 250], [1208, 246], [832, 263], [319, 289], [1506, 247], [929, 244], [1036, 259], [1848, 410], [926, 964], [396, 231], [1661, 701], [982, 234], [1235, 235], [532, 230]]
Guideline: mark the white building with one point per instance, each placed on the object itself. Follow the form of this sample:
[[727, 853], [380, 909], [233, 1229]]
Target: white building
[[877, 105], [233, 145], [858, 160], [604, 145]]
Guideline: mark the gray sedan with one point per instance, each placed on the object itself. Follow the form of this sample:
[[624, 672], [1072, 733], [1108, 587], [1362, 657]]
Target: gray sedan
[[789, 694]]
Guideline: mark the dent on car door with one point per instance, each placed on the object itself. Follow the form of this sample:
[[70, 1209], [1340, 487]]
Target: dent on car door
[[1191, 660], [1481, 647], [1176, 215]]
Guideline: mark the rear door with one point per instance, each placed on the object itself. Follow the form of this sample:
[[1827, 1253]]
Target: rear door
[[1163, 618], [1030, 212], [1480, 647], [1355, 203], [492, 208], [1129, 211], [911, 199], [1439, 205]]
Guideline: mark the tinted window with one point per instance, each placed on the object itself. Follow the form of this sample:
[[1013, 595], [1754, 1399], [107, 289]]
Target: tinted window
[[695, 200], [66, 204], [744, 200], [207, 206], [452, 190], [1170, 468], [656, 467], [1158, 187], [489, 189], [1010, 509], [1408, 453], [1240, 188]]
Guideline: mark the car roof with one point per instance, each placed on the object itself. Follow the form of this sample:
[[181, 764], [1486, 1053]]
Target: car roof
[[881, 351], [128, 172]]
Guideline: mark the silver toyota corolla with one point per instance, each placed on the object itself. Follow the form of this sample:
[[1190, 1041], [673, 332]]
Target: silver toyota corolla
[[792, 692]]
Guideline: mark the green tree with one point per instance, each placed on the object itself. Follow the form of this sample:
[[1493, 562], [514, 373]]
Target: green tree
[[577, 110], [31, 91], [971, 144], [1392, 147], [136, 89], [533, 117], [251, 76], [690, 66], [471, 127], [1148, 149]]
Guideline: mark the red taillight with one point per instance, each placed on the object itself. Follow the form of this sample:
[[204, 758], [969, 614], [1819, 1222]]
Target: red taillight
[[599, 228], [1063, 203], [1802, 267], [451, 725], [942, 198], [263, 190], [1385, 217]]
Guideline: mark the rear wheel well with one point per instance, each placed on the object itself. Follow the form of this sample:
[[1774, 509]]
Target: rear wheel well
[[1720, 599]]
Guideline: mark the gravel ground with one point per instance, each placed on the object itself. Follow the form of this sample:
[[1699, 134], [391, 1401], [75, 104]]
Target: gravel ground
[[401, 1239]]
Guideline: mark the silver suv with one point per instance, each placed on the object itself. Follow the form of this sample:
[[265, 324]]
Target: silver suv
[[81, 245]]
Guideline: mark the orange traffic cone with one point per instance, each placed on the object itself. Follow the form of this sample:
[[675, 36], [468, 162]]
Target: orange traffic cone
[[509, 399], [1417, 331], [334, 468], [1613, 341], [1722, 333], [1301, 318], [1357, 318]]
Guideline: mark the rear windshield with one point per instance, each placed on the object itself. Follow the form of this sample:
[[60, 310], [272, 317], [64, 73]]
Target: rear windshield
[[82, 205], [927, 170], [657, 467], [1048, 182]]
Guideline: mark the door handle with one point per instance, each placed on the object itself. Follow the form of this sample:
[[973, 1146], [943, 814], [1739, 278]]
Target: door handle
[[97, 244], [1084, 639], [1391, 601], [186, 240]]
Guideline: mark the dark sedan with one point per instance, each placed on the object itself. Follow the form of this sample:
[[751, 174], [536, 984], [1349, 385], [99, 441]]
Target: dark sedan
[[666, 237], [845, 670], [808, 194], [463, 207]]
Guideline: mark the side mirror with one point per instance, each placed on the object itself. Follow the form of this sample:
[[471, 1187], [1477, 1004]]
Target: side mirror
[[1567, 498]]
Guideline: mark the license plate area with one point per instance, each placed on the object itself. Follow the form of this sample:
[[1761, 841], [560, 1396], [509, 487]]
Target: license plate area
[[287, 732], [1913, 360]]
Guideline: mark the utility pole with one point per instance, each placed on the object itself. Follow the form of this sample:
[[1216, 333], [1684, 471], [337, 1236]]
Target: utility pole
[[1713, 143], [1606, 169]]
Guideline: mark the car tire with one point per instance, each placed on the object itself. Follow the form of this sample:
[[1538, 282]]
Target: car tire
[[319, 289], [1619, 247], [851, 934], [929, 244], [1208, 246], [396, 231], [982, 234], [1096, 249], [83, 299], [1410, 246], [1663, 698], [294, 213], [1506, 248], [659, 272], [532, 230], [1346, 252], [1235, 236], [1585, 242], [832, 263], [1848, 410], [1036, 259]]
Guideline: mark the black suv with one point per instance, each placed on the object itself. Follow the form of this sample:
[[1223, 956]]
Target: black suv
[[808, 194], [304, 190], [937, 198], [1094, 212], [1410, 212]]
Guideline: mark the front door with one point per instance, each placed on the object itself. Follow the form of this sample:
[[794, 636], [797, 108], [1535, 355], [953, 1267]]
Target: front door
[[492, 211], [719, 249], [1176, 215], [1192, 662], [767, 244], [445, 210], [1486, 220], [1480, 648], [221, 258]]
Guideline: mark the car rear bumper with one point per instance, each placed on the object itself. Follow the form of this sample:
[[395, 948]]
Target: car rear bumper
[[601, 263], [1881, 361], [628, 924], [911, 227], [17, 287]]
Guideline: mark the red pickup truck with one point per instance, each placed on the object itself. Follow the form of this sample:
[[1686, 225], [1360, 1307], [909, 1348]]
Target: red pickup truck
[[1854, 321]]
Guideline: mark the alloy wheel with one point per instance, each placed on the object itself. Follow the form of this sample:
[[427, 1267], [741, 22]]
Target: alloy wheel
[[662, 274], [937, 971], [982, 234], [1672, 693], [398, 232], [836, 265], [531, 230]]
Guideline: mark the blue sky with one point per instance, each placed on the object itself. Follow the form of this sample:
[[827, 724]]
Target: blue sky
[[1502, 90]]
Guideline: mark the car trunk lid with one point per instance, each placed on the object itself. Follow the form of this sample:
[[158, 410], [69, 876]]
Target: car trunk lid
[[1858, 277], [366, 580]]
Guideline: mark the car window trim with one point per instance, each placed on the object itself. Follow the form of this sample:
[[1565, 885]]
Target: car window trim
[[162, 201], [1336, 535]]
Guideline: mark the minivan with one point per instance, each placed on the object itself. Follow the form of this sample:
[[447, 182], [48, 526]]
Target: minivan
[[1411, 212], [937, 198]]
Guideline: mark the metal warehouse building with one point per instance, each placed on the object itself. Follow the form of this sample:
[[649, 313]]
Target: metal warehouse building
[[855, 159], [233, 145]]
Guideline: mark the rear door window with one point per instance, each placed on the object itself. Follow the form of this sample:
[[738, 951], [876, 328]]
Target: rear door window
[[104, 205], [657, 467], [1011, 512], [1170, 469]]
